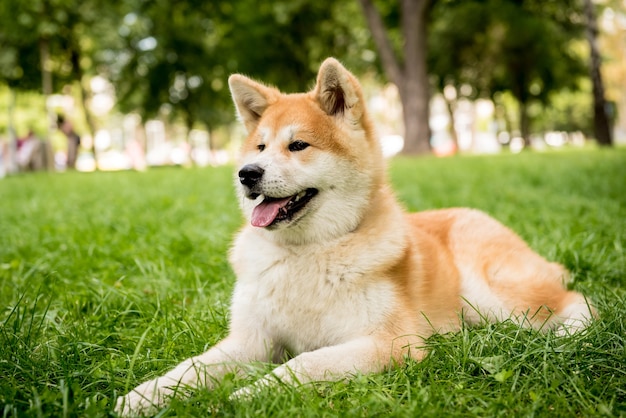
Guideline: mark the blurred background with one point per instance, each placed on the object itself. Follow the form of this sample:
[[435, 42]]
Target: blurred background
[[128, 84]]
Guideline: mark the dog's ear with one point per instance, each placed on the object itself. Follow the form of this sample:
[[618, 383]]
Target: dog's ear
[[337, 91], [251, 99]]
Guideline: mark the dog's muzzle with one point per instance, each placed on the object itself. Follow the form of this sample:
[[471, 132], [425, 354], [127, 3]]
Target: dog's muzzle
[[250, 175]]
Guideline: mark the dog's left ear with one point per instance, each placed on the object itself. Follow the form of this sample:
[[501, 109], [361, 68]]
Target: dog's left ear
[[338, 92], [251, 99]]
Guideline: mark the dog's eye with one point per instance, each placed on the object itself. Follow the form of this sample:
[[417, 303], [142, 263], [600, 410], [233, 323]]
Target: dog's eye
[[260, 147], [298, 146]]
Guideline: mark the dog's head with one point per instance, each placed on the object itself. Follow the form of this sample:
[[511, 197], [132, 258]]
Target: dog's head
[[310, 163]]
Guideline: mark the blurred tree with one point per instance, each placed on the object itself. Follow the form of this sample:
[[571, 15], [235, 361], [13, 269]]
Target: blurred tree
[[501, 45], [405, 64], [175, 58], [24, 46], [568, 111], [45, 45], [612, 25], [465, 72], [602, 126], [165, 61], [19, 48]]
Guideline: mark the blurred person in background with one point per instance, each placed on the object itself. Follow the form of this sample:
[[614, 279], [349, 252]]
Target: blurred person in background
[[73, 140], [30, 153]]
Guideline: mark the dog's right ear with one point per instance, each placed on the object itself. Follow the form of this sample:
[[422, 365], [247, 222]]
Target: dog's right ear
[[251, 99], [338, 92]]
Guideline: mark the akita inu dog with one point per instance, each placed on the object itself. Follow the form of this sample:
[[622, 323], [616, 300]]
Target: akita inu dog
[[333, 277]]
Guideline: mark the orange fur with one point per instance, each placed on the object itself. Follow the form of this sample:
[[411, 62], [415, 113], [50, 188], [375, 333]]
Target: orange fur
[[347, 281]]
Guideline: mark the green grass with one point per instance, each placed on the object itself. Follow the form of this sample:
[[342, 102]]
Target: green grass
[[108, 279]]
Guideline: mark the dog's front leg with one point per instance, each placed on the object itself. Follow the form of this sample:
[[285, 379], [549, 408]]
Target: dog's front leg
[[363, 355], [200, 371]]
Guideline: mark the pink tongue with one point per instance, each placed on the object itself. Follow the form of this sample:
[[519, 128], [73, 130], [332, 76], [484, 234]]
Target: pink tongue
[[265, 212]]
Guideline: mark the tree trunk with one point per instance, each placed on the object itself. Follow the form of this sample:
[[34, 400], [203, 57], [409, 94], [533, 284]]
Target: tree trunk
[[450, 106], [46, 81], [524, 123], [84, 99], [601, 124], [189, 123], [12, 146], [46, 68], [502, 112], [411, 77], [388, 57], [416, 97], [209, 129], [85, 95]]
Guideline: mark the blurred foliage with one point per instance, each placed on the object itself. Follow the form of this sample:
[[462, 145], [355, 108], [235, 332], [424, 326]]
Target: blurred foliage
[[570, 110], [523, 47], [68, 27], [26, 120], [172, 59], [176, 57]]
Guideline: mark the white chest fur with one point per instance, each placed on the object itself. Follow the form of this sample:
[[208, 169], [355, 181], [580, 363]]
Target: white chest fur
[[306, 297]]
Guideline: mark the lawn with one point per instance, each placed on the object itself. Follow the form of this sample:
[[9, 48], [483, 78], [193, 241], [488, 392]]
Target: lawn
[[108, 279]]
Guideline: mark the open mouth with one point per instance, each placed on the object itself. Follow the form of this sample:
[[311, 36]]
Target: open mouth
[[273, 210]]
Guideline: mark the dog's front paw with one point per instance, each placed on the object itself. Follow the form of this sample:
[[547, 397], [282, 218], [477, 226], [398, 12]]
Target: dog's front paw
[[244, 394], [134, 404], [248, 392], [145, 399]]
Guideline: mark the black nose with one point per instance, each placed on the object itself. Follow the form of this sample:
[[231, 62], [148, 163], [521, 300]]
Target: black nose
[[250, 174]]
